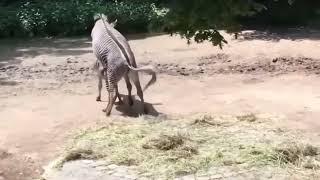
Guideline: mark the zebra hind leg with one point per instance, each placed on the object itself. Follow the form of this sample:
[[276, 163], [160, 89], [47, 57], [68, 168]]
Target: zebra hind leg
[[118, 95], [136, 81], [129, 87]]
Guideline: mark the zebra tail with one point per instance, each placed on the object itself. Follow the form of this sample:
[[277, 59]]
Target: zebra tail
[[149, 70], [96, 65]]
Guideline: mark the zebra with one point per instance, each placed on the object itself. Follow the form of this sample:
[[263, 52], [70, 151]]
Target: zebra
[[115, 55], [102, 75]]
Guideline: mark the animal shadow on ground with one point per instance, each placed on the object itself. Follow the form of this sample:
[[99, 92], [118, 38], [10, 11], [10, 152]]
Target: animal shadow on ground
[[136, 109]]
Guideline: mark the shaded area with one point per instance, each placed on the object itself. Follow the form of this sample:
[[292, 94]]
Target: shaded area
[[276, 34], [11, 50]]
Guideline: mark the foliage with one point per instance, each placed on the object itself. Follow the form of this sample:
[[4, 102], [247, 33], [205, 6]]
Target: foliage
[[9, 24], [200, 20], [279, 13], [74, 17]]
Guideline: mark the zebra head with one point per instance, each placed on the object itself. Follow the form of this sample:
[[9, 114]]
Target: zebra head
[[99, 16]]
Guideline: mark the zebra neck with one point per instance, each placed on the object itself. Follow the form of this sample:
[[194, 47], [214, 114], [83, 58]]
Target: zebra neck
[[122, 49]]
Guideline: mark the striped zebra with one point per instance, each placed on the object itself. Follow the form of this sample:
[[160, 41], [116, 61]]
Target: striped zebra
[[117, 60]]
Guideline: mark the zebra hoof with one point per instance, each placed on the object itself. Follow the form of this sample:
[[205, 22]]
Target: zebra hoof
[[98, 98], [145, 110], [104, 110], [130, 101], [120, 102]]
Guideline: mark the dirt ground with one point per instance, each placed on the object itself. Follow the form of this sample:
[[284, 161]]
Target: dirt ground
[[48, 88]]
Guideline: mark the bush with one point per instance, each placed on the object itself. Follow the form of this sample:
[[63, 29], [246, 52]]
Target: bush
[[9, 24], [74, 17]]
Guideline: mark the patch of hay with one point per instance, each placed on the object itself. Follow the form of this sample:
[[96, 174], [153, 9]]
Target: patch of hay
[[206, 120], [165, 142], [248, 118], [76, 154], [295, 154], [189, 145]]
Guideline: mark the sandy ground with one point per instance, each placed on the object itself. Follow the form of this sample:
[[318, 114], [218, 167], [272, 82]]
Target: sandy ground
[[48, 88]]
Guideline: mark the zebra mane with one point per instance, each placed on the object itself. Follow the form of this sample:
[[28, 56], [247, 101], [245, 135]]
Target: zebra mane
[[104, 19]]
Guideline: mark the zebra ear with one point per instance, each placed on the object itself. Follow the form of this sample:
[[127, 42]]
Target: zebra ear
[[96, 17], [104, 17], [114, 23]]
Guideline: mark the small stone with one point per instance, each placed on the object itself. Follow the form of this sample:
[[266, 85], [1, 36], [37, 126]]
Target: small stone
[[112, 166], [102, 168], [110, 172]]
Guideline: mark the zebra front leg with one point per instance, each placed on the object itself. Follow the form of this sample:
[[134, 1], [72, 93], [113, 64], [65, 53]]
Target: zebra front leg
[[111, 85], [100, 75]]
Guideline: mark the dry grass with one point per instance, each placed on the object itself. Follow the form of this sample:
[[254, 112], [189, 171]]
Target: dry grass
[[296, 154], [167, 149], [247, 117]]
